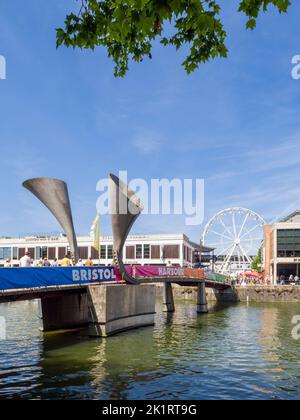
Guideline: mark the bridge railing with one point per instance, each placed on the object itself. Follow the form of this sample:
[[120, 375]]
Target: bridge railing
[[207, 275], [139, 271]]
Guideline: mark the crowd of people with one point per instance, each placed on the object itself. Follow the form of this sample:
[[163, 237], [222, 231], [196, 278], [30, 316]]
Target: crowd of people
[[256, 281], [249, 281], [289, 280], [27, 261]]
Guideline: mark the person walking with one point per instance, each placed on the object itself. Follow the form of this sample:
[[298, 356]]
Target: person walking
[[89, 262], [46, 263], [65, 262], [7, 264], [55, 263], [25, 261]]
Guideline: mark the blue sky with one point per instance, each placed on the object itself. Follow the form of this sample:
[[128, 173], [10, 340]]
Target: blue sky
[[233, 122]]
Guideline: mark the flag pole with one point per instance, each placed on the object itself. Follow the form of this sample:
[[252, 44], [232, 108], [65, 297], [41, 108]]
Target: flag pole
[[99, 240]]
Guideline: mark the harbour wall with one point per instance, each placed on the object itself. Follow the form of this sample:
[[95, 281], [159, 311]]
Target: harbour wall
[[240, 294]]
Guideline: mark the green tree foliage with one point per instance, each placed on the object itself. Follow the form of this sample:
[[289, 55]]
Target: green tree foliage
[[128, 28], [257, 262]]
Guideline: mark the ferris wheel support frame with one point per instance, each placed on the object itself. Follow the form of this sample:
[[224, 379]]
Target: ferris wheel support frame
[[234, 237]]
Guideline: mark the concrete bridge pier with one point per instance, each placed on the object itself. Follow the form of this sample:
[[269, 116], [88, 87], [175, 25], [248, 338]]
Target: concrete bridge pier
[[64, 311], [116, 308], [202, 307], [168, 299]]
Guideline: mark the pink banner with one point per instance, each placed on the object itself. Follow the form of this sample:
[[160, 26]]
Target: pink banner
[[161, 271], [118, 275], [156, 271]]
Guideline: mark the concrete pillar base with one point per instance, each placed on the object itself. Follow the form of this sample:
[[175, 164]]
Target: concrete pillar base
[[117, 308], [202, 307], [64, 312], [168, 299]]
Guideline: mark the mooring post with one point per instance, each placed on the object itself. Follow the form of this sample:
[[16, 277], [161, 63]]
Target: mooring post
[[168, 299], [201, 299]]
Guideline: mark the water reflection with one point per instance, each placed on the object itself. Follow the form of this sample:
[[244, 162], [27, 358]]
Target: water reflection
[[235, 351]]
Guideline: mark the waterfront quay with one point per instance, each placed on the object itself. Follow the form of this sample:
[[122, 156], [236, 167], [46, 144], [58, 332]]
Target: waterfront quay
[[255, 293]]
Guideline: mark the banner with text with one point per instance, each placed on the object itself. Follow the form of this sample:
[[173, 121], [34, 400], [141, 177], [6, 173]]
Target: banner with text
[[24, 278]]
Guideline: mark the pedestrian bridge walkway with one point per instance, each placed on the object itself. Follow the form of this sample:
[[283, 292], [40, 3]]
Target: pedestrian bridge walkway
[[26, 283], [99, 297]]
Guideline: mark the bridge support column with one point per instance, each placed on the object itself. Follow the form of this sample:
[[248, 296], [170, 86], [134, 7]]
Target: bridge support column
[[116, 308], [64, 311], [168, 299], [201, 299]]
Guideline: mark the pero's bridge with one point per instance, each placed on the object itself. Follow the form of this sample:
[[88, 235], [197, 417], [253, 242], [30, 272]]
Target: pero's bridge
[[109, 299], [72, 297]]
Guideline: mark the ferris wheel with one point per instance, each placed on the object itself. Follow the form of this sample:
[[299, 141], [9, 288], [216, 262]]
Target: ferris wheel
[[236, 234]]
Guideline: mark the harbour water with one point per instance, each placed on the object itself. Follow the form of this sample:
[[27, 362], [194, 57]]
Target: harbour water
[[234, 352]]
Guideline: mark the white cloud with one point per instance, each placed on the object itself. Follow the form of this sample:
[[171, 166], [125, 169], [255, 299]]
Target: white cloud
[[147, 142]]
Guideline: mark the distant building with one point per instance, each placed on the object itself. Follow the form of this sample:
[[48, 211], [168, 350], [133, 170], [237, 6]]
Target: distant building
[[139, 249], [282, 248]]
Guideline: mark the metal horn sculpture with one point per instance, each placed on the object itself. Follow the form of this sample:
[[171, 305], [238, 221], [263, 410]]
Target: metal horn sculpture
[[53, 193], [125, 208]]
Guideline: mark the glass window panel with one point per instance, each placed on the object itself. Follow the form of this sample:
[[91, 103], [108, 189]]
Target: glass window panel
[[15, 253], [147, 251], [103, 252], [5, 253], [110, 252], [138, 251]]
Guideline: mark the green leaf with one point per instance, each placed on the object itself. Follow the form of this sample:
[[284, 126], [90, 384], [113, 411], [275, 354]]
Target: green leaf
[[129, 28]]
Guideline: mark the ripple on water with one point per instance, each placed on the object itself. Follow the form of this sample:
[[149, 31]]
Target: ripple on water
[[234, 352]]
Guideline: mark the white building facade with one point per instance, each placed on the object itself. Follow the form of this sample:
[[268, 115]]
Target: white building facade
[[176, 249]]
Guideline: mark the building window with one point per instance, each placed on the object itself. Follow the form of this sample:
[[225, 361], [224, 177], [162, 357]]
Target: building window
[[110, 252], [15, 253], [61, 252], [146, 252], [51, 253], [94, 254], [5, 253], [155, 252], [31, 253], [130, 252], [103, 252], [21, 252], [83, 252], [38, 252], [171, 251], [41, 252], [138, 252], [288, 243]]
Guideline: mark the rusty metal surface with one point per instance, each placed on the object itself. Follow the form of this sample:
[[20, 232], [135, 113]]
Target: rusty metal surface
[[53, 193]]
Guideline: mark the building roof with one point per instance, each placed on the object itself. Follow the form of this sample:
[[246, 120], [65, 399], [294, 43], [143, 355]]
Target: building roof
[[40, 240], [204, 249], [292, 218]]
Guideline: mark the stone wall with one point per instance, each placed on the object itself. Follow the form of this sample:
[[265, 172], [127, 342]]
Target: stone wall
[[240, 294], [269, 294]]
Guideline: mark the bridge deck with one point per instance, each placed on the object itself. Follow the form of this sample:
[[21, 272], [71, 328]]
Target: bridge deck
[[185, 281], [12, 295], [34, 283]]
